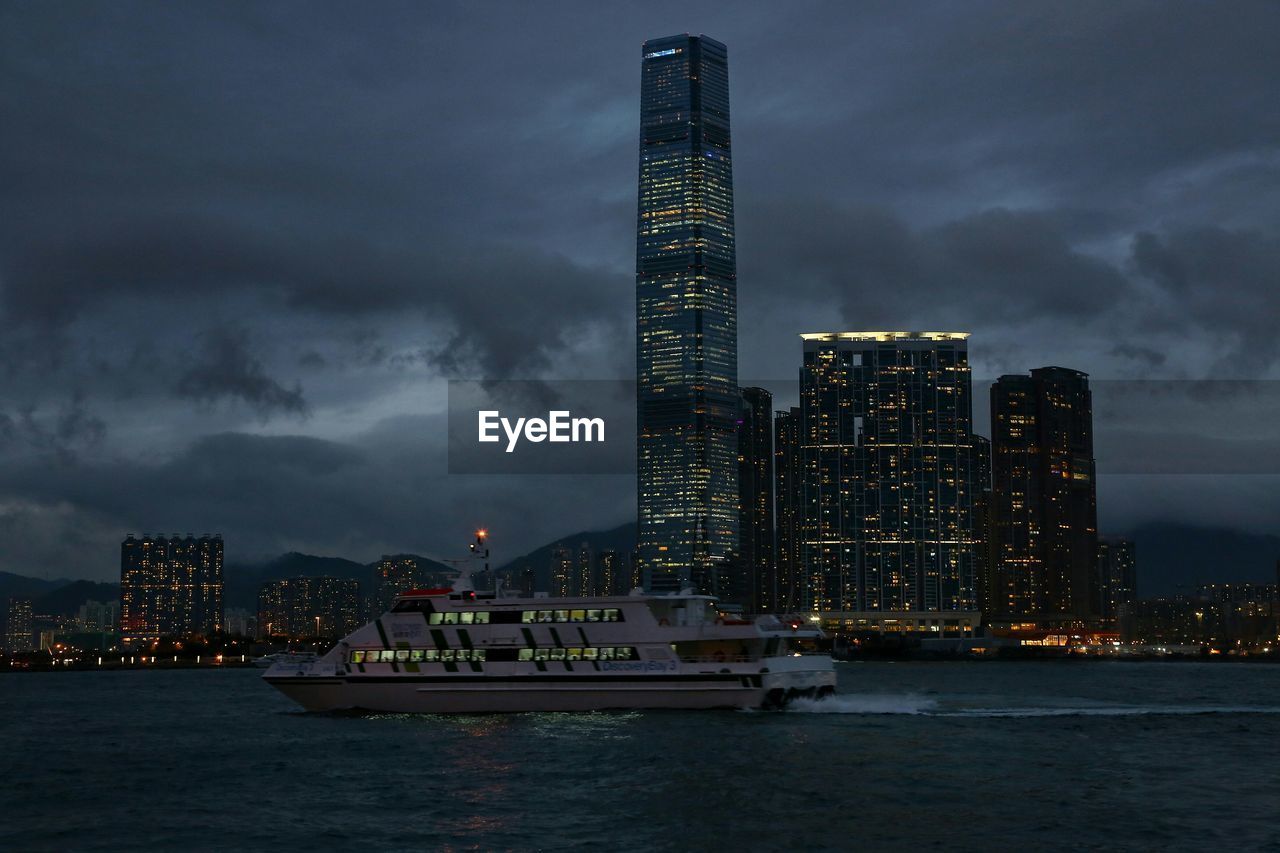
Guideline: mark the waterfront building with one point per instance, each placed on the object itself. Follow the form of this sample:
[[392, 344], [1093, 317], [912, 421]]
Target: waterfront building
[[563, 570], [984, 524], [1117, 577], [19, 633], [686, 317], [611, 578], [308, 607], [98, 616], [752, 569], [399, 573], [238, 622], [170, 586], [1045, 499], [887, 474], [1216, 619], [585, 580], [782, 592]]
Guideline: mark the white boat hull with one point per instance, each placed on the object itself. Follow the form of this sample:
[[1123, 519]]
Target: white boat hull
[[786, 679]]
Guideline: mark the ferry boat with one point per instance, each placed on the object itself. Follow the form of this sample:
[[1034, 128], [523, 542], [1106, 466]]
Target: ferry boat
[[462, 651]]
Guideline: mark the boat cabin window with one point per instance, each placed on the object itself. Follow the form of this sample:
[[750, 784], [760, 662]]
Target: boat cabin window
[[589, 653], [530, 617], [412, 605]]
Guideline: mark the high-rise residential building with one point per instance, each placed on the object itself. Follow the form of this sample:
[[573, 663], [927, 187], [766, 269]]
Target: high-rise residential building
[[170, 586], [1117, 576], [611, 577], [686, 317], [398, 573], [94, 616], [886, 448], [782, 590], [752, 569], [563, 572], [305, 607], [1045, 498], [19, 633], [238, 622], [983, 523], [585, 575]]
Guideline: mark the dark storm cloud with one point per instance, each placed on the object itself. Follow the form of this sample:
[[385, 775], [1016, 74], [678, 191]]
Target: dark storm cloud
[[267, 210], [997, 266], [272, 493], [65, 432], [229, 369]]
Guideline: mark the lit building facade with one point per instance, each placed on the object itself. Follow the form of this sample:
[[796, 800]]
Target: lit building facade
[[585, 576], [887, 473], [170, 586], [782, 589], [984, 513], [1046, 527], [306, 607], [563, 572], [397, 574], [98, 616], [19, 633], [686, 317], [751, 571], [1117, 576], [612, 580]]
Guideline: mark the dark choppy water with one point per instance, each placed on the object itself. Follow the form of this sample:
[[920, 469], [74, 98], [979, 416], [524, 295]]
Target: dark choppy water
[[981, 756]]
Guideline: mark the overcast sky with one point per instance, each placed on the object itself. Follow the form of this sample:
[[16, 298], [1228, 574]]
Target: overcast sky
[[244, 244]]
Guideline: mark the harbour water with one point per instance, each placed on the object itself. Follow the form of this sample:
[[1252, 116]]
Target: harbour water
[[956, 756]]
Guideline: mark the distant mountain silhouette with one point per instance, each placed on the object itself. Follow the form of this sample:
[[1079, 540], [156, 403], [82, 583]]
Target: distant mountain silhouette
[[66, 600], [1176, 558], [21, 586], [621, 539]]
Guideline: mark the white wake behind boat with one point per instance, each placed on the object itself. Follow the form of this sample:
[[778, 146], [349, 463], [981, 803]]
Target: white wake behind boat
[[460, 651]]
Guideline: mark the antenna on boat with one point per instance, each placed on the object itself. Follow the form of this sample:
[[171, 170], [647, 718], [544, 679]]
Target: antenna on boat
[[480, 548]]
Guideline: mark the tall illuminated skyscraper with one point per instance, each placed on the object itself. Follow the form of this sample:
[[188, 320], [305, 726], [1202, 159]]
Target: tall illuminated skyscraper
[[1046, 513], [686, 317], [886, 449]]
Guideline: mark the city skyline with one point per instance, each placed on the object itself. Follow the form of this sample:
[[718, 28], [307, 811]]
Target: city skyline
[[305, 386]]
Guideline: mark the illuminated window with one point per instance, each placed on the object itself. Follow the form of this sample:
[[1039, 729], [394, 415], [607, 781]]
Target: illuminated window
[[525, 654]]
